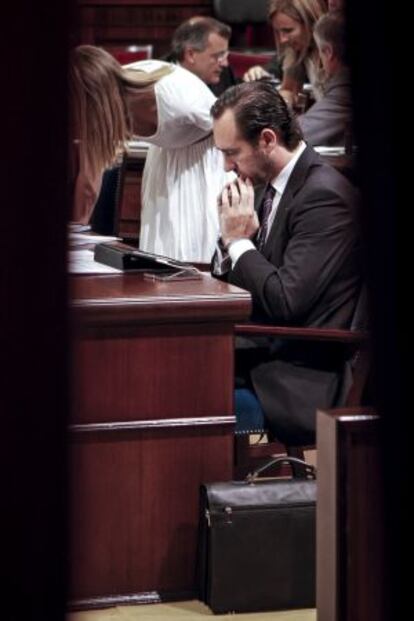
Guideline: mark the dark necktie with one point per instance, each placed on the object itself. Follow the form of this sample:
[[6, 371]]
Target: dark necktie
[[264, 214]]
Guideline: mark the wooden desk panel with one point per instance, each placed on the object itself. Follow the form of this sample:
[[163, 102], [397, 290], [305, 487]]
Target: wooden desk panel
[[172, 362], [135, 510], [152, 418]]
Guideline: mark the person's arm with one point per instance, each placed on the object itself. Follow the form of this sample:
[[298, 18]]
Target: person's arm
[[327, 121], [183, 105], [270, 69], [255, 73], [293, 80], [238, 225], [322, 238]]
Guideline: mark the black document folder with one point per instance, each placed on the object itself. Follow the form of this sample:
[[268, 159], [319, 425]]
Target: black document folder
[[125, 257]]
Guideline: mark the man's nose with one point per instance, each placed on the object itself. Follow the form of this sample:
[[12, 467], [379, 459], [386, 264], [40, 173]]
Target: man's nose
[[229, 165]]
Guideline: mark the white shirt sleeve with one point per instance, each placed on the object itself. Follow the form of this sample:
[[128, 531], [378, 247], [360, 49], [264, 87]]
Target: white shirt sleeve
[[239, 247], [183, 107]]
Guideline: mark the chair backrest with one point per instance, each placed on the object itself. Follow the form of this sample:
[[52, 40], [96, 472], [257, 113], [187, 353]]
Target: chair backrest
[[240, 62], [130, 53], [357, 338]]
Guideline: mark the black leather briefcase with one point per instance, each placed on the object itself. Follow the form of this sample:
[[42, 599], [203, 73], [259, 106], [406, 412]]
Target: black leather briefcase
[[257, 543]]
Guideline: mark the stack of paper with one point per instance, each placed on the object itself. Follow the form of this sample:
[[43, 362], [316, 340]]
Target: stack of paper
[[81, 261], [78, 240]]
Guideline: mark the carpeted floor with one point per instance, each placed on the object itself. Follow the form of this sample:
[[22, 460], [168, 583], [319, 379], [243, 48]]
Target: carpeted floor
[[182, 611]]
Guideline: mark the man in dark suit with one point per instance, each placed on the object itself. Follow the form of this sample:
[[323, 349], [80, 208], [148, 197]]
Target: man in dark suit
[[329, 120], [299, 260]]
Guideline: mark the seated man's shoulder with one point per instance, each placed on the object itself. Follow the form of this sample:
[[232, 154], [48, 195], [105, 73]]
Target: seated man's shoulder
[[325, 183]]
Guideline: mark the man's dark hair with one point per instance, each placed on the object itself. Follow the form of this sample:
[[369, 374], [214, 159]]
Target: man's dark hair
[[194, 33], [257, 106], [331, 28]]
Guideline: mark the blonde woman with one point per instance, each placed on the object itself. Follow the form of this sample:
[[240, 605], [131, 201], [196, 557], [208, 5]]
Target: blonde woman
[[169, 107], [292, 22]]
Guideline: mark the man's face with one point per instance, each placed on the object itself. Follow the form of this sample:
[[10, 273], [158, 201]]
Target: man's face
[[240, 156], [209, 63]]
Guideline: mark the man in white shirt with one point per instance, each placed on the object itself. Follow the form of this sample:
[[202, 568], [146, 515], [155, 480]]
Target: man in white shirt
[[201, 45], [305, 272]]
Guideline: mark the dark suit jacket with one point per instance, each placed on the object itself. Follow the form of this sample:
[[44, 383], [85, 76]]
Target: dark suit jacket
[[308, 275], [329, 119]]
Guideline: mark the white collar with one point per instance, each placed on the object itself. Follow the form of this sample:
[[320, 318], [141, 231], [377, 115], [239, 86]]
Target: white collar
[[281, 180]]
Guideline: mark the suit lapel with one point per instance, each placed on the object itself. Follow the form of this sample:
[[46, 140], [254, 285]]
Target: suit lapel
[[275, 241], [259, 191]]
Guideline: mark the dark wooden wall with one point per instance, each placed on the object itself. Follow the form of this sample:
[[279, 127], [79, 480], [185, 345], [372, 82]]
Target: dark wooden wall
[[139, 22], [117, 23]]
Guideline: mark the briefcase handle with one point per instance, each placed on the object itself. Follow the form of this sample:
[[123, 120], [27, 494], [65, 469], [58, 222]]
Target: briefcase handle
[[309, 471]]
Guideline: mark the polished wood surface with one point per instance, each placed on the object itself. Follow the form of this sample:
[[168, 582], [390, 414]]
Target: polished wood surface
[[350, 526], [332, 335], [152, 418], [130, 298]]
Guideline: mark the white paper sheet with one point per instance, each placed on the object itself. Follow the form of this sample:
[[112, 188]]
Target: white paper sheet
[[81, 262]]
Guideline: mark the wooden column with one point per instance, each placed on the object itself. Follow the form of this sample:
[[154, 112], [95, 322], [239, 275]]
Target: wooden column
[[350, 521]]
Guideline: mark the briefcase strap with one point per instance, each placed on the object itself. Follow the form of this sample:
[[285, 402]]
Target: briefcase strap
[[309, 470]]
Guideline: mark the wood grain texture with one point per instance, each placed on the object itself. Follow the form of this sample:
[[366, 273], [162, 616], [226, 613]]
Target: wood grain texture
[[134, 508], [350, 526], [152, 418]]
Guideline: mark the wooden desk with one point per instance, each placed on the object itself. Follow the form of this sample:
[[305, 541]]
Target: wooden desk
[[152, 418]]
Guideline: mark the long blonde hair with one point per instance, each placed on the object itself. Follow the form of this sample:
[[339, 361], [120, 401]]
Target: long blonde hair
[[101, 121], [306, 12]]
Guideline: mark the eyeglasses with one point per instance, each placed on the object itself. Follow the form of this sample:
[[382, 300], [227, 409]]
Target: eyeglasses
[[219, 56]]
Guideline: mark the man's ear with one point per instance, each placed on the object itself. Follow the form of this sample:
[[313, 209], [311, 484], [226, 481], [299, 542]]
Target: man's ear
[[189, 56], [327, 49], [268, 139]]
